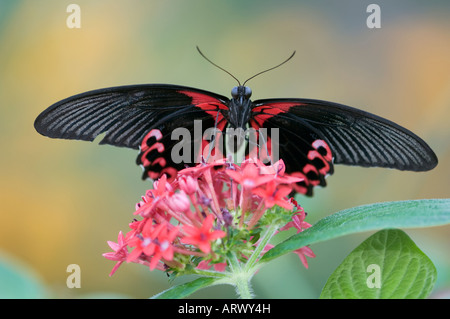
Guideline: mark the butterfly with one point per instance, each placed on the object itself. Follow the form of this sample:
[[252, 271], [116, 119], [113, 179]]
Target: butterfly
[[310, 136]]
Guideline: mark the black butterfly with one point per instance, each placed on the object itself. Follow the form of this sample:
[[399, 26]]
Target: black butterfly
[[312, 134]]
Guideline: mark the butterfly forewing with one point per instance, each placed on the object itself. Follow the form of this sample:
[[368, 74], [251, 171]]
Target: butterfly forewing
[[128, 114], [125, 113], [355, 137]]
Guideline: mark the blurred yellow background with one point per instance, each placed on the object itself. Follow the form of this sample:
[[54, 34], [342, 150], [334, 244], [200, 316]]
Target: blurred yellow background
[[60, 201]]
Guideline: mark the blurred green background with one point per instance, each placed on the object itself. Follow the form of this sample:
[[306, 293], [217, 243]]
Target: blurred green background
[[60, 201]]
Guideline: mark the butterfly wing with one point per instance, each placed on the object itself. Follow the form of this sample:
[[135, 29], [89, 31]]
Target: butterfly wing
[[301, 147], [354, 137], [128, 114]]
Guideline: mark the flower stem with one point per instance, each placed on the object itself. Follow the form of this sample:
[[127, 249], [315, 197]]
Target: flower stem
[[242, 284], [233, 262], [239, 278], [271, 230]]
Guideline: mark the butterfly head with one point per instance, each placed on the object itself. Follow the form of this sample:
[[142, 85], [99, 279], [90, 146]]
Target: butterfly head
[[241, 93]]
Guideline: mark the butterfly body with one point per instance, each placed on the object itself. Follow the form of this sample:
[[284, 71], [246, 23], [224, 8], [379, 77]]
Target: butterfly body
[[240, 106], [309, 135]]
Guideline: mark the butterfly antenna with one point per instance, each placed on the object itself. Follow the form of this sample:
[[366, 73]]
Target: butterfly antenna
[[201, 53], [293, 53]]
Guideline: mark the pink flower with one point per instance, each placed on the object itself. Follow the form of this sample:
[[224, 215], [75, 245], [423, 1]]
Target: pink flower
[[297, 221], [120, 252], [304, 252], [145, 243], [182, 219], [188, 184], [249, 176], [202, 236], [164, 249], [205, 264], [153, 197], [274, 195], [202, 167], [179, 202], [156, 242]]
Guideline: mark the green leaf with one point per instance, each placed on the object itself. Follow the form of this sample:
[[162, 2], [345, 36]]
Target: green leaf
[[184, 290], [386, 265], [402, 214]]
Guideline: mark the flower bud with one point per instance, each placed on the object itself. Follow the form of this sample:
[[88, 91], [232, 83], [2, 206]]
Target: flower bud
[[179, 202], [188, 184]]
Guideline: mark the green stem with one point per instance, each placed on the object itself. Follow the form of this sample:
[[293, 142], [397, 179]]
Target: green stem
[[271, 230], [233, 262], [239, 278], [242, 283]]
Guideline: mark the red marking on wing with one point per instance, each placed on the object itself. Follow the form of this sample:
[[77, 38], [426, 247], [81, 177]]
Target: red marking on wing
[[316, 155], [199, 98], [312, 173], [323, 146], [266, 111], [148, 146], [158, 147], [153, 133], [170, 172], [161, 161], [212, 107], [153, 175], [207, 103], [279, 106]]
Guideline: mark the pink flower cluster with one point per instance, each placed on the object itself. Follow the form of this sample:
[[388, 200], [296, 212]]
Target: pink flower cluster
[[191, 219]]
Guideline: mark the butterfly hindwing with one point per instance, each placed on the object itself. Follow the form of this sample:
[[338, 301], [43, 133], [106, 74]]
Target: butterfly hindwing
[[301, 146], [180, 142]]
